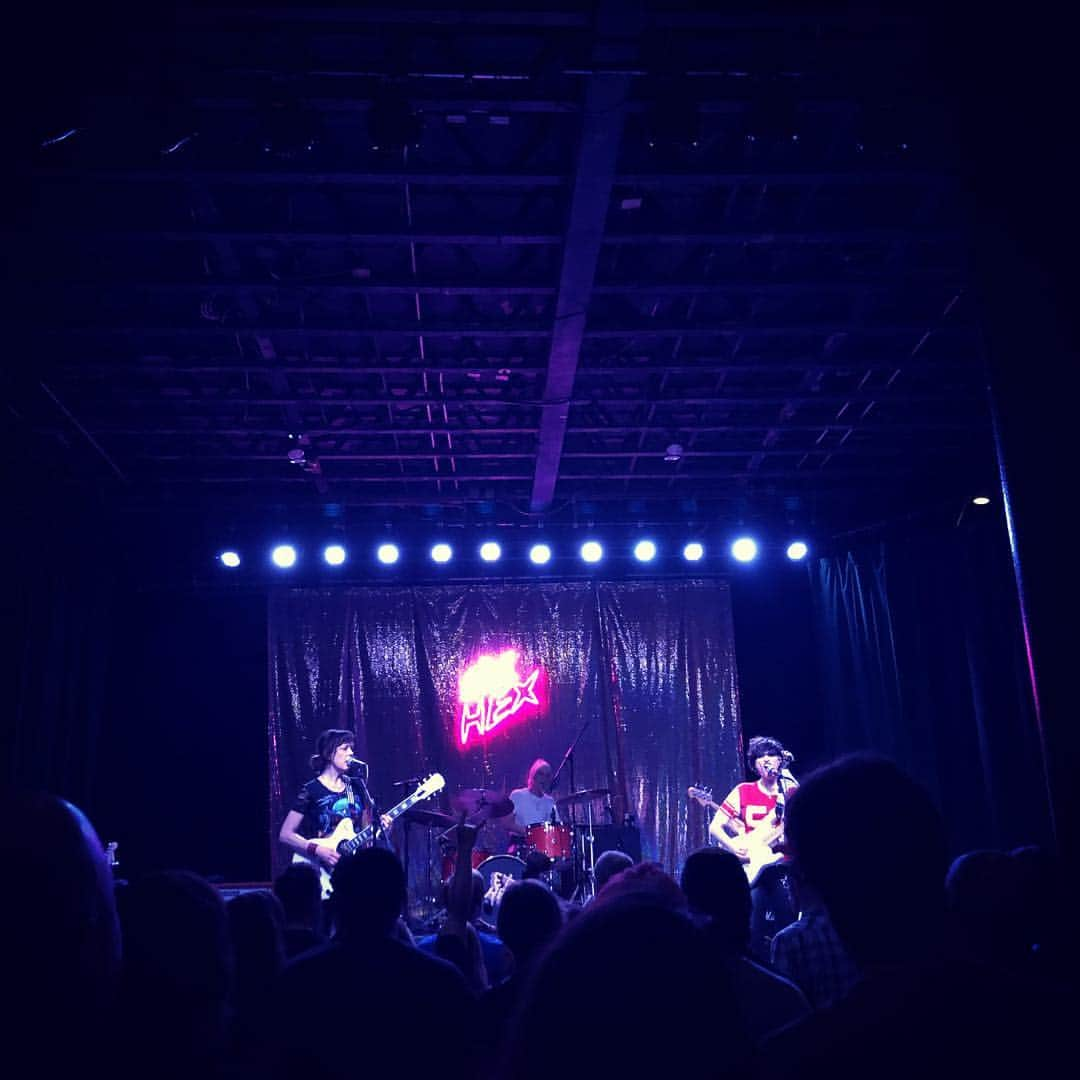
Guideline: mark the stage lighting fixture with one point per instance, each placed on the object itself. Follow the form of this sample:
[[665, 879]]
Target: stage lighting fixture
[[591, 551], [981, 500], [744, 549], [797, 550], [693, 551], [644, 550], [442, 553], [540, 554], [334, 554], [284, 556], [490, 551], [387, 554], [230, 559]]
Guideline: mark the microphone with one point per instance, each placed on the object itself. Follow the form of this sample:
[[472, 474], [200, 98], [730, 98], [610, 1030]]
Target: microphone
[[351, 761], [409, 781]]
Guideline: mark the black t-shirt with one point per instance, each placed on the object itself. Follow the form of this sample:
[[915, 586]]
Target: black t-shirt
[[323, 808]]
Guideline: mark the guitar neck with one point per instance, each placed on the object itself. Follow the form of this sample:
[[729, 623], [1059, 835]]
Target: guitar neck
[[365, 835]]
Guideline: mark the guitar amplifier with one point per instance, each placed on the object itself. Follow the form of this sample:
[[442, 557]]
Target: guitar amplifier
[[626, 838]]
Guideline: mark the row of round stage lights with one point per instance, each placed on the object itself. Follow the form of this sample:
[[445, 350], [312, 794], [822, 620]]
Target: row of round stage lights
[[744, 550]]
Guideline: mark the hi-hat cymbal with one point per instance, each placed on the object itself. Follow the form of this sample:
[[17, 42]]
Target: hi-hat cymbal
[[582, 796], [432, 818], [480, 805]]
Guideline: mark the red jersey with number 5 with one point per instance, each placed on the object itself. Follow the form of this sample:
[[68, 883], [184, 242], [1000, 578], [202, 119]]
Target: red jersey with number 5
[[752, 806]]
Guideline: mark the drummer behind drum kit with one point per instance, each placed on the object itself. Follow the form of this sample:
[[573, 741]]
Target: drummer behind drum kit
[[559, 852]]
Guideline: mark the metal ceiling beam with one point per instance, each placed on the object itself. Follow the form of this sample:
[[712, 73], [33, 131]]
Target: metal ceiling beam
[[257, 176], [392, 456], [872, 427], [518, 329], [708, 286], [478, 238], [359, 370], [807, 476], [291, 178], [720, 399]]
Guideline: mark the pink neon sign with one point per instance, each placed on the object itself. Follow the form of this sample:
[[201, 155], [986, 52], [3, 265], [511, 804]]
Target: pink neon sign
[[491, 690]]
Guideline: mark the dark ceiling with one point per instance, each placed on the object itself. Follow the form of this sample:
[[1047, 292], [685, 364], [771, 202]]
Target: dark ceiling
[[494, 265]]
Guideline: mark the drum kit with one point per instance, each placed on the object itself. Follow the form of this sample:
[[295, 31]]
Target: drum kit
[[558, 852]]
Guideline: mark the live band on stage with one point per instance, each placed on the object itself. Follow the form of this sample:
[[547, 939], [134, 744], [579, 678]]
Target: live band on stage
[[530, 832]]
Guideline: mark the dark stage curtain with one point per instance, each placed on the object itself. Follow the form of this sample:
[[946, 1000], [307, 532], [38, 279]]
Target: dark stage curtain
[[647, 669], [61, 607], [921, 660]]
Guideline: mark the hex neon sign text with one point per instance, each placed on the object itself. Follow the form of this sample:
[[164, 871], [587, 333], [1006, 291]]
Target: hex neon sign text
[[491, 690]]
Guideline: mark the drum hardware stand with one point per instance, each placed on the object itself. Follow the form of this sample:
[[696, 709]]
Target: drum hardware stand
[[586, 887]]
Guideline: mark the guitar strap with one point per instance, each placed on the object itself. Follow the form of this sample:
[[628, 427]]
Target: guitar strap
[[350, 796]]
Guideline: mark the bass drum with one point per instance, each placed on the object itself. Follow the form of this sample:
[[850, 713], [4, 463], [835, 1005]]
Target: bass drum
[[498, 872], [507, 867]]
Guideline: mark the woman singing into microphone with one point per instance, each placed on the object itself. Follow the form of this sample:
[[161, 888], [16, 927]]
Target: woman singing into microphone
[[750, 823], [324, 800]]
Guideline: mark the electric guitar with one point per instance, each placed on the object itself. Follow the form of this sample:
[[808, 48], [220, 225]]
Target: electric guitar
[[758, 843], [345, 840]]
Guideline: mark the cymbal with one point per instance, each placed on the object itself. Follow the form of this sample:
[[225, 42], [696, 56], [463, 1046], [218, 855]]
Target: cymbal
[[583, 796], [432, 818], [480, 805]]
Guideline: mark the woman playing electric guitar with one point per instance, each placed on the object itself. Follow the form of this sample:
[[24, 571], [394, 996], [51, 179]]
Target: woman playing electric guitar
[[750, 824], [324, 801]]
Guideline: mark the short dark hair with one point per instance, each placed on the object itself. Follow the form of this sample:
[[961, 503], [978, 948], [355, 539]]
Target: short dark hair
[[369, 891], [888, 903], [609, 864], [761, 746], [326, 743], [299, 889], [529, 918], [715, 885]]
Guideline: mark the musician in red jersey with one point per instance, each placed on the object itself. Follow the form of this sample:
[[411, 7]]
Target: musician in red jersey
[[750, 823]]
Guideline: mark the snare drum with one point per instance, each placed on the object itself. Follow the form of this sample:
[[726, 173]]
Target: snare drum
[[551, 838]]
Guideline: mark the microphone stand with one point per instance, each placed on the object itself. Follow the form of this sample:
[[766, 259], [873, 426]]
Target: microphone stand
[[781, 807], [376, 822], [568, 759]]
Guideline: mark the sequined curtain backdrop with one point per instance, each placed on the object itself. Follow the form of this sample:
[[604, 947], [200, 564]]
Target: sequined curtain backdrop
[[648, 669]]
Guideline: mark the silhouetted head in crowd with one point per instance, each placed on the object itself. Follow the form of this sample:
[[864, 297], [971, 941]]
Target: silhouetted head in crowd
[[62, 939], [609, 864], [716, 887], [300, 892], [176, 938], [369, 893], [529, 918], [536, 864], [983, 898], [257, 924], [629, 952], [645, 882], [178, 973], [1041, 896], [870, 841]]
